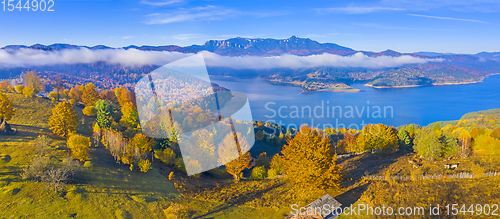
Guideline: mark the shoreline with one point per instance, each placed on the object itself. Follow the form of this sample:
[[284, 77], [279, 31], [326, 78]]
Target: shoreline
[[423, 85], [344, 90], [433, 84]]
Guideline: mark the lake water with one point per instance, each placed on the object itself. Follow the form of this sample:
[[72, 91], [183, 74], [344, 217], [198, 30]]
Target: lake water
[[395, 107]]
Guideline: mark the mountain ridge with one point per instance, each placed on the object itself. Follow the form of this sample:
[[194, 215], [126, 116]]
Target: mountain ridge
[[240, 46]]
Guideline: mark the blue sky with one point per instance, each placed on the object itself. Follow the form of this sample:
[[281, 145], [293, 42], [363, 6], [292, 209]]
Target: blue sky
[[457, 26]]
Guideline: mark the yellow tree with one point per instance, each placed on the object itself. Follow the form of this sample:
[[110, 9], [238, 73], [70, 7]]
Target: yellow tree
[[90, 95], [123, 95], [79, 146], [487, 145], [309, 161], [230, 154], [6, 108], [130, 116], [19, 88], [54, 96], [28, 92], [64, 119], [33, 81], [142, 142]]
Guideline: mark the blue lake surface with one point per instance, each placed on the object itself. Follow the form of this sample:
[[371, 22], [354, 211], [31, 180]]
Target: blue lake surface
[[419, 105]]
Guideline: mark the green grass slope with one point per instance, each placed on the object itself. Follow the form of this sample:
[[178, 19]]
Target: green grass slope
[[111, 190]]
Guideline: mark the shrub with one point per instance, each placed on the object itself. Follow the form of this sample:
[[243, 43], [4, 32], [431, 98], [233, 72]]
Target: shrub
[[89, 111], [36, 170], [72, 167], [144, 165], [219, 173], [167, 156], [87, 164], [79, 146], [258, 173]]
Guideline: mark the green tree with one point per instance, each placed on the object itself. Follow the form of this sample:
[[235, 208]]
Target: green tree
[[377, 137], [405, 142], [79, 146], [436, 127], [428, 145], [309, 161], [449, 143], [6, 107], [104, 113], [258, 173], [64, 119]]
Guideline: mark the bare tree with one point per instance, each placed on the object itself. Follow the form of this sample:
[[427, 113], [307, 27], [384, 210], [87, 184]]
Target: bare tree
[[55, 177], [72, 167]]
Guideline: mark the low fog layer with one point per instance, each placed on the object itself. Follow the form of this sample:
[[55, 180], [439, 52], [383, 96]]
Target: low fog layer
[[133, 57]]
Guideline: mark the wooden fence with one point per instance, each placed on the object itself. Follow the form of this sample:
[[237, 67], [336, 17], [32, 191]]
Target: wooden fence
[[461, 175]]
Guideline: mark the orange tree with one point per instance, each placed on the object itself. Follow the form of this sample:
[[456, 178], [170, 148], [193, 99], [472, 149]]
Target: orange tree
[[309, 161]]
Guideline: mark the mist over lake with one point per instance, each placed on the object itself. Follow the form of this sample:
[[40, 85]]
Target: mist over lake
[[392, 106]]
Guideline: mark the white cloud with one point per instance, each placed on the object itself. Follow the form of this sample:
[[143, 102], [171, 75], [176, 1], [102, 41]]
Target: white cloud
[[359, 10], [198, 13], [161, 3], [294, 62], [210, 12], [133, 57], [449, 18]]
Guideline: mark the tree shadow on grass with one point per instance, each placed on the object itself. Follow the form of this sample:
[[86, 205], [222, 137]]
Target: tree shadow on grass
[[368, 163], [241, 199], [350, 197]]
